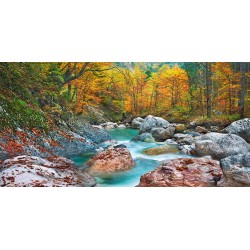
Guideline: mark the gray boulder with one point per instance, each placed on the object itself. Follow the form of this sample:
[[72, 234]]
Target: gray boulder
[[136, 123], [109, 125], [180, 136], [186, 149], [236, 170], [214, 129], [187, 141], [171, 141], [152, 122], [220, 145], [192, 133], [240, 128], [84, 129], [67, 144], [162, 134], [145, 137]]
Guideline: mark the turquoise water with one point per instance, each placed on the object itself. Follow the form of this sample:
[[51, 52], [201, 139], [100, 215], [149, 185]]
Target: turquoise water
[[143, 163]]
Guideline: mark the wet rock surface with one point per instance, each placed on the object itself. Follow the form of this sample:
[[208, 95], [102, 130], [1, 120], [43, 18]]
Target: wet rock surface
[[184, 172], [145, 137], [163, 149], [110, 161]]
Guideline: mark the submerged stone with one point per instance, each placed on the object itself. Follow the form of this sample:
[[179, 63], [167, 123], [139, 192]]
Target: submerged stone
[[164, 149]]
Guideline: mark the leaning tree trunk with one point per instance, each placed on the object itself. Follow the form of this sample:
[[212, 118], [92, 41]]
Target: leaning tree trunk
[[243, 68]]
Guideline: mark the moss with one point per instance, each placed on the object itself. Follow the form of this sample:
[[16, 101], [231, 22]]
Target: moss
[[17, 113], [164, 149]]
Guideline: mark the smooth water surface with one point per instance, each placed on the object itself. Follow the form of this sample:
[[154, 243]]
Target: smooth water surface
[[143, 163]]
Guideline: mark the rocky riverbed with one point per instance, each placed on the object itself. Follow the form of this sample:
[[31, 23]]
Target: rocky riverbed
[[147, 151]]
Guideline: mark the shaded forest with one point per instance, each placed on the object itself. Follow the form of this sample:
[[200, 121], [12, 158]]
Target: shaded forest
[[31, 92]]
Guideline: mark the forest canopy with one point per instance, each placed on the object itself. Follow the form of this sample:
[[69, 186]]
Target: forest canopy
[[29, 92]]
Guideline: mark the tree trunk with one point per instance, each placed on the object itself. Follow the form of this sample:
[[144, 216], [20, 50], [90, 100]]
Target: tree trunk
[[209, 88], [243, 68], [69, 90]]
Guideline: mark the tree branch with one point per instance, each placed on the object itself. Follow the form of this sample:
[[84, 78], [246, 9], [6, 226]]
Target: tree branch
[[80, 73]]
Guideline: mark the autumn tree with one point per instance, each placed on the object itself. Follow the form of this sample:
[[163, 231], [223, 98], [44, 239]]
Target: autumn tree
[[226, 87]]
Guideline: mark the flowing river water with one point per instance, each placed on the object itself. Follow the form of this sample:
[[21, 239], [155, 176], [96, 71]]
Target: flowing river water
[[143, 163]]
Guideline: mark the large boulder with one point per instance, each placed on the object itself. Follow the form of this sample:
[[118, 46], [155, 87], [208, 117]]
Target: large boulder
[[163, 149], [136, 123], [37, 143], [184, 139], [110, 161], [220, 145], [162, 134], [84, 129], [184, 172], [145, 137], [152, 122], [62, 143], [31, 171], [240, 128], [236, 170]]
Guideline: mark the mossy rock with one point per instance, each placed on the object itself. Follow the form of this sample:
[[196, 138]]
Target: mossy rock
[[180, 128], [164, 149]]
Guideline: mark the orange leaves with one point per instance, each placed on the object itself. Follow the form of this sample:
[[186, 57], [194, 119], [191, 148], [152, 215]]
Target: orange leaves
[[36, 132], [170, 86], [227, 87], [140, 89], [12, 146], [134, 89], [88, 88]]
